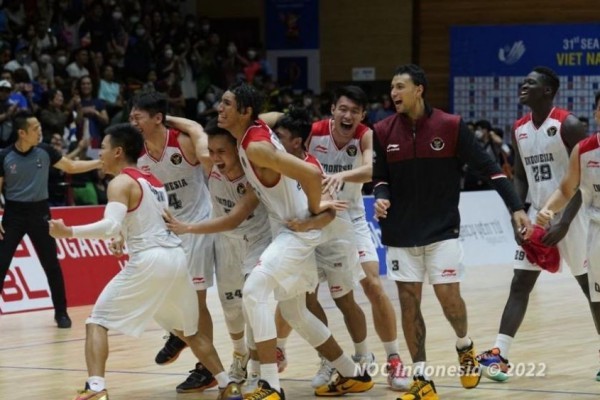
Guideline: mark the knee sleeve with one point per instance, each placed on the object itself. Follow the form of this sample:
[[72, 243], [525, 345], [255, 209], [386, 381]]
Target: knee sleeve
[[234, 317], [257, 290], [308, 326]]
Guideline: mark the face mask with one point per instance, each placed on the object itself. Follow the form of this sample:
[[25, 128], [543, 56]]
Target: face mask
[[134, 19], [117, 15], [205, 28], [45, 58], [168, 53], [62, 60], [140, 32], [231, 49], [251, 54], [478, 133], [191, 25], [307, 101]]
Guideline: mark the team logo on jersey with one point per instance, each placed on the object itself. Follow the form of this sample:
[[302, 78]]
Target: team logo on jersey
[[551, 131], [593, 164], [241, 189], [13, 168], [522, 136], [437, 144], [176, 159], [351, 150], [320, 149], [392, 147], [145, 168]]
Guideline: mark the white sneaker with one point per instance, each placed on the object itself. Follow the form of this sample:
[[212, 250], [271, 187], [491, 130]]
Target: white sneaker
[[396, 374], [237, 370], [281, 359], [323, 375], [365, 362]]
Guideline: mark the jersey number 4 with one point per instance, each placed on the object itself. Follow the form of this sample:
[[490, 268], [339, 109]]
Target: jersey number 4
[[174, 202]]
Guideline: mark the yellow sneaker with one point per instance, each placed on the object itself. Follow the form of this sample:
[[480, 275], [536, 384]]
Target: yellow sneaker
[[88, 394], [341, 385], [264, 392], [470, 370], [231, 392], [421, 389]]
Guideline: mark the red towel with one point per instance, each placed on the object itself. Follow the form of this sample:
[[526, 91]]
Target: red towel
[[547, 257]]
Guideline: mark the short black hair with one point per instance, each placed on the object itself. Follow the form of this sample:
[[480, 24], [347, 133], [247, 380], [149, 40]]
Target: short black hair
[[597, 99], [20, 122], [151, 102], [416, 73], [297, 120], [247, 96], [484, 124], [549, 77], [128, 137], [354, 93], [212, 130]]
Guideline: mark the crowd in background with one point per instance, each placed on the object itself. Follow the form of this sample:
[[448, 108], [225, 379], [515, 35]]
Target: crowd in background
[[76, 63]]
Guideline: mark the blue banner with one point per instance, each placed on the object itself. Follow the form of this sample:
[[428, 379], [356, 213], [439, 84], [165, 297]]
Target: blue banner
[[292, 24], [570, 49]]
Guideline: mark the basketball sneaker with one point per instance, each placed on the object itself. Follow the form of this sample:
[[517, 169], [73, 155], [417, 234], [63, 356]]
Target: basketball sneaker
[[421, 389], [199, 380], [493, 365], [230, 392], [251, 384], [62, 320], [323, 375], [171, 350], [264, 392], [281, 359], [365, 361], [470, 372], [237, 370], [88, 394], [396, 375], [341, 386]]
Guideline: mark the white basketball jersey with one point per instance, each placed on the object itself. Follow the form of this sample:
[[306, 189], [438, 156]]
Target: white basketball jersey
[[589, 162], [144, 227], [188, 195], [285, 200], [225, 194], [543, 153], [334, 159]]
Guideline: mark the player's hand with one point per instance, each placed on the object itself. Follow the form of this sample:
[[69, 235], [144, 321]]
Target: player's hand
[[332, 184], [381, 206], [336, 205], [173, 224], [116, 246], [299, 225], [59, 230], [1, 230], [544, 216], [555, 234], [522, 226]]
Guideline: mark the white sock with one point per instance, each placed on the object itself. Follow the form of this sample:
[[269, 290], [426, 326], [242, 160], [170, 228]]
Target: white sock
[[222, 379], [345, 366], [419, 369], [463, 343], [239, 346], [96, 383], [281, 343], [268, 372], [361, 349], [253, 367], [391, 347], [503, 342]]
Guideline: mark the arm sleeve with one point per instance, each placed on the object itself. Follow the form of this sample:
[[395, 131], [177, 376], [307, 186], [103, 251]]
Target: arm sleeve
[[470, 152], [381, 189], [108, 227]]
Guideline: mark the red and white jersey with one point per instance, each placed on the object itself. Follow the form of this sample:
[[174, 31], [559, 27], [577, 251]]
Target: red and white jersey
[[285, 200], [334, 159], [589, 163], [225, 194], [543, 153], [188, 195], [144, 227]]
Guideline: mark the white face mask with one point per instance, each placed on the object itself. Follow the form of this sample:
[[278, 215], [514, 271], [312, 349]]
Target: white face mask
[[478, 133], [168, 53], [117, 15], [140, 32], [251, 54], [62, 60]]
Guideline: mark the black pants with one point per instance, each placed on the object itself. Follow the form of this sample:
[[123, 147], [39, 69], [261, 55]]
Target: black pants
[[32, 219]]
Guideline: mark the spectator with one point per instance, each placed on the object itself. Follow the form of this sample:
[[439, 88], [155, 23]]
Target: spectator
[[54, 116], [77, 68], [21, 60], [7, 111], [93, 110], [110, 91]]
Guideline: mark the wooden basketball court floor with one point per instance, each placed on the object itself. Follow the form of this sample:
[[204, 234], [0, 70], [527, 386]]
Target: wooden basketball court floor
[[555, 352]]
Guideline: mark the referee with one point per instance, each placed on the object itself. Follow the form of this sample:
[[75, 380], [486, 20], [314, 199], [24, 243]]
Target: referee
[[24, 168]]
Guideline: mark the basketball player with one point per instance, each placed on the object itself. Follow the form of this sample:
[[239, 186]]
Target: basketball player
[[417, 173], [242, 226], [543, 140], [155, 282], [337, 259], [171, 156], [289, 188], [344, 146]]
